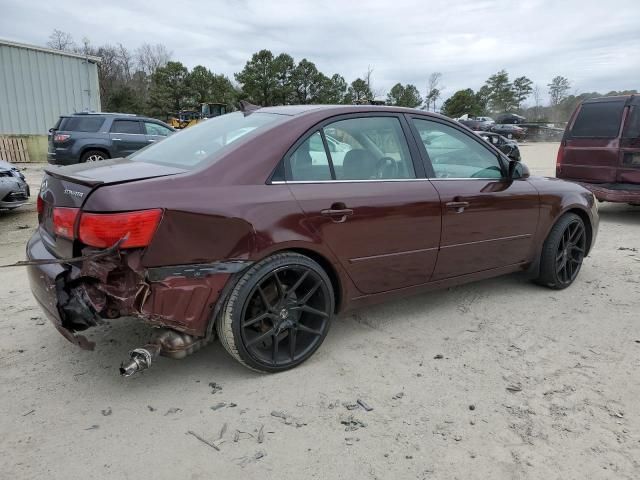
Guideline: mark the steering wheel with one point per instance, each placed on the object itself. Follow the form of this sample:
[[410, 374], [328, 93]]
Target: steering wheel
[[386, 167], [480, 173]]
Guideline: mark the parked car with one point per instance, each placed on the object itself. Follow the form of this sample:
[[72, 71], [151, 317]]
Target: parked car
[[510, 119], [509, 131], [486, 122], [600, 148], [14, 190], [89, 137], [508, 147], [473, 124], [264, 238]]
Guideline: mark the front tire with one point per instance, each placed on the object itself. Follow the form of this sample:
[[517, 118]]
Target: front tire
[[278, 314], [563, 252]]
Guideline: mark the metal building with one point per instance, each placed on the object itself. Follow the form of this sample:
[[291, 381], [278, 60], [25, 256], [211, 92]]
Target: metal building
[[37, 85]]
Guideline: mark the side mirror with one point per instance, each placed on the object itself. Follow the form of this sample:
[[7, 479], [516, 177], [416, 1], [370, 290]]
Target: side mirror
[[517, 169]]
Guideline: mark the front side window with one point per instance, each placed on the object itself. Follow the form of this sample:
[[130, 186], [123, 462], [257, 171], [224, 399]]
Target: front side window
[[204, 143], [126, 126], [156, 129], [454, 154]]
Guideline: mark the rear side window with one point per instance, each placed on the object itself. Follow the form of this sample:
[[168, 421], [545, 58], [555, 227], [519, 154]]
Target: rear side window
[[126, 126], [80, 124], [598, 120], [632, 127]]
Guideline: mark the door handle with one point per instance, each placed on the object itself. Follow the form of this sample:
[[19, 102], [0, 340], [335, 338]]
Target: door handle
[[150, 141], [116, 139], [457, 206], [337, 215]]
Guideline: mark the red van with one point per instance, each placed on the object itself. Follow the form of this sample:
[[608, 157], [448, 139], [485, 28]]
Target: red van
[[600, 148]]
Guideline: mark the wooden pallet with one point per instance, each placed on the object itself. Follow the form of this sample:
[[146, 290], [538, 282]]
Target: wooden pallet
[[14, 149]]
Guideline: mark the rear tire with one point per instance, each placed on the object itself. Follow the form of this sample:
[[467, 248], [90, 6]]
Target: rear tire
[[278, 314], [93, 156], [563, 252]]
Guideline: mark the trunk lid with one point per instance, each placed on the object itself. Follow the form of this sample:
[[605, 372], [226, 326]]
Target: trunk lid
[[69, 187]]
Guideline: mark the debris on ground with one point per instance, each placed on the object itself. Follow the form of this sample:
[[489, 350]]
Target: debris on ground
[[288, 419], [151, 409], [364, 405], [261, 434], [206, 442], [351, 440], [398, 396], [472, 407], [106, 412], [439, 356], [215, 388], [516, 387], [246, 460], [351, 423], [173, 410], [218, 406], [23, 227], [28, 413], [630, 249], [93, 427], [350, 405]]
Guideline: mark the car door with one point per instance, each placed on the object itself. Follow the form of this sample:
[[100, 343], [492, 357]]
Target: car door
[[630, 146], [155, 131], [488, 220], [368, 201], [126, 137]]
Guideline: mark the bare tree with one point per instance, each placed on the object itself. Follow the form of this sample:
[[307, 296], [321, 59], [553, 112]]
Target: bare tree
[[125, 60], [151, 57], [60, 40], [433, 90], [537, 100]]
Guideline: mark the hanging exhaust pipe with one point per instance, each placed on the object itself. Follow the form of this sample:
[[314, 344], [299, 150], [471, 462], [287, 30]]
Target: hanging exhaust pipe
[[165, 342]]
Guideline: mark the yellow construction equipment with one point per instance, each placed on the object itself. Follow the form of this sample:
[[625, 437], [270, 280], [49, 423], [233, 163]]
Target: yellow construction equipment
[[188, 118]]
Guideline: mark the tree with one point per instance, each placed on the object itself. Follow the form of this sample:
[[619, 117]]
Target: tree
[[151, 57], [283, 67], [433, 90], [482, 97], [332, 90], [306, 82], [200, 82], [359, 92], [60, 40], [402, 96], [558, 89], [169, 89], [537, 102], [258, 78], [462, 102], [522, 88], [501, 96]]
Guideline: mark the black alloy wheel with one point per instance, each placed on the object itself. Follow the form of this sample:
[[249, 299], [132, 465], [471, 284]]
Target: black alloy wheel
[[281, 314]]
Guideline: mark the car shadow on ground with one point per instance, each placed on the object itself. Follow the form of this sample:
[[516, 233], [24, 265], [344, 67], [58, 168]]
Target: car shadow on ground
[[619, 213]]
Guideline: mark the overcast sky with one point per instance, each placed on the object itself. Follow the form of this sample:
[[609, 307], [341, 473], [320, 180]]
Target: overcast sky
[[596, 44]]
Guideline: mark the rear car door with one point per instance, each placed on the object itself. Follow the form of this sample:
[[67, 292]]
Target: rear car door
[[488, 220], [630, 146], [155, 132], [127, 137], [368, 200]]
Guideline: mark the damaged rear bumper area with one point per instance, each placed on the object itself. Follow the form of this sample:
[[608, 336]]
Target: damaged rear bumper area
[[103, 285]]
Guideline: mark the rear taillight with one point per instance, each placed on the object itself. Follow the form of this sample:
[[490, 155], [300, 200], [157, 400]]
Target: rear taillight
[[64, 219], [61, 137], [559, 158], [40, 205], [102, 230]]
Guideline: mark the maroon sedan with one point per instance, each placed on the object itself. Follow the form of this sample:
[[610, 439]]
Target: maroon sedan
[[261, 226]]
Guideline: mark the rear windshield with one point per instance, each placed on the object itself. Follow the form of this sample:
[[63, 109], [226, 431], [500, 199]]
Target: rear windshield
[[598, 120], [202, 143], [79, 124]]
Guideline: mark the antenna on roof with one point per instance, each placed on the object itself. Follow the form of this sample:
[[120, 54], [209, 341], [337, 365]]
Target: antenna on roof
[[247, 108]]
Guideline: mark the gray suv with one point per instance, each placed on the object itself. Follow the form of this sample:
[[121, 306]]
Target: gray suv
[[88, 137]]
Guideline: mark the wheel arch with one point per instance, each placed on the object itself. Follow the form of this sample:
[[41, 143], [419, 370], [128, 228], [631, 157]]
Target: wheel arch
[[586, 219], [100, 148]]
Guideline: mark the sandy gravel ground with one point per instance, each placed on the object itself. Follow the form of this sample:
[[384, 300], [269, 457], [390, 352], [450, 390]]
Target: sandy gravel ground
[[495, 380]]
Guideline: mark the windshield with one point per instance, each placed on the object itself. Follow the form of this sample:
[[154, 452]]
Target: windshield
[[203, 142]]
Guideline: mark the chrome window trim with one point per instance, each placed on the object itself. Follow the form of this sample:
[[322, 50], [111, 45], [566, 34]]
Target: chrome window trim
[[378, 180]]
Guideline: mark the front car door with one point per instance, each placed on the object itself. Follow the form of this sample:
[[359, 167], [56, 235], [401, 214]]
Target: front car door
[[488, 220], [127, 137], [368, 200], [155, 131]]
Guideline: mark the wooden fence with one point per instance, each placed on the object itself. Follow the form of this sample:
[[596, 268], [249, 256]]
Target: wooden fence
[[14, 149]]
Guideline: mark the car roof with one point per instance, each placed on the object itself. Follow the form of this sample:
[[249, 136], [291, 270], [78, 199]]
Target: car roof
[[628, 99], [294, 110]]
